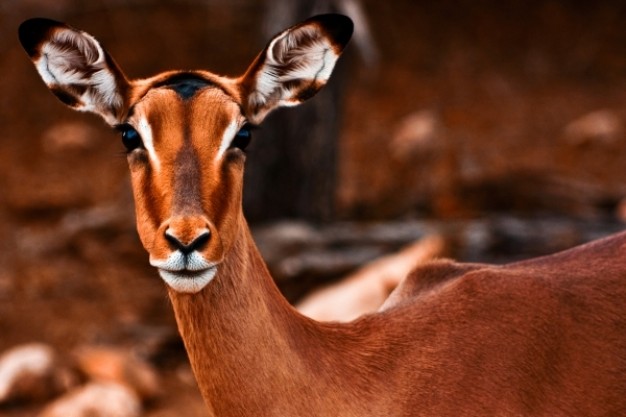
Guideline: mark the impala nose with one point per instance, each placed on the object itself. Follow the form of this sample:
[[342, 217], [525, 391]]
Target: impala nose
[[186, 248], [188, 235]]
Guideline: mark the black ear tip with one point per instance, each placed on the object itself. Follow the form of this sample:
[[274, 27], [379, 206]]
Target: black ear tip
[[33, 31], [338, 26]]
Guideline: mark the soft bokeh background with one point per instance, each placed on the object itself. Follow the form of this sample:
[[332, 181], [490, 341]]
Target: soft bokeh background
[[504, 118]]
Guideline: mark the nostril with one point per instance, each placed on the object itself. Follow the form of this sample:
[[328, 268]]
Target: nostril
[[197, 244], [201, 241], [176, 244]]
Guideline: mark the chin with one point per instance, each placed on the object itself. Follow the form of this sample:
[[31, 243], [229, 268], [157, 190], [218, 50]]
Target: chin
[[188, 282]]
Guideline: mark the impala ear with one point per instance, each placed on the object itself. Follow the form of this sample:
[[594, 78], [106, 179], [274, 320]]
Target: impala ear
[[75, 68], [294, 65]]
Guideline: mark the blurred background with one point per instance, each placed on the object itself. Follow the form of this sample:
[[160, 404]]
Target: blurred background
[[499, 125]]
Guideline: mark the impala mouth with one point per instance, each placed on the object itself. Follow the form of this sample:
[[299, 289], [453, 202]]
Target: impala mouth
[[187, 281], [186, 273]]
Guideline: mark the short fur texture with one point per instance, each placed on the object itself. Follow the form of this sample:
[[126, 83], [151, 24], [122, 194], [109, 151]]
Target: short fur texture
[[545, 337]]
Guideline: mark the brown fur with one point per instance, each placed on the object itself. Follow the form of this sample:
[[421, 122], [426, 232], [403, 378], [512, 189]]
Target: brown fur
[[546, 337]]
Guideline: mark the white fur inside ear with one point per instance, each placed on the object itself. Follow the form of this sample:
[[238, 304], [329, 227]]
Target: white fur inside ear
[[310, 53], [75, 59], [301, 54], [66, 55]]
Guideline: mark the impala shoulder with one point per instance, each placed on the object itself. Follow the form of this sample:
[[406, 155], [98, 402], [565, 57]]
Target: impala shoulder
[[429, 277]]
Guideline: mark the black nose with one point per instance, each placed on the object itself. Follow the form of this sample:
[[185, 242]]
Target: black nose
[[197, 244]]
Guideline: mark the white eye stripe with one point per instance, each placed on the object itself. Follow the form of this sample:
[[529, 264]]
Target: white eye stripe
[[144, 130], [227, 138], [143, 127]]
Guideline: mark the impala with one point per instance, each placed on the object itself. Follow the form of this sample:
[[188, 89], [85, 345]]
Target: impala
[[545, 337]]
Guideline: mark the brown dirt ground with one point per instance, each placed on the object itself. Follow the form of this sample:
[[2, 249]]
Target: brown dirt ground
[[503, 80]]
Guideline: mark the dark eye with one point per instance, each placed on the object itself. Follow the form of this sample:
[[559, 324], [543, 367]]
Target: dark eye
[[242, 138], [130, 137]]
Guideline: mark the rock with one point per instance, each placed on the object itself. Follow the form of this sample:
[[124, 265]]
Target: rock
[[114, 364], [416, 134], [366, 289], [96, 399], [32, 372], [601, 126], [68, 136]]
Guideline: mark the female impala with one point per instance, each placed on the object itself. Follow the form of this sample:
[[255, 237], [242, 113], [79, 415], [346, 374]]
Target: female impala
[[546, 337]]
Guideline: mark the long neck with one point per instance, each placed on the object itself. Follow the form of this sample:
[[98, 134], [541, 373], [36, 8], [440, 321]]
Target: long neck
[[251, 353]]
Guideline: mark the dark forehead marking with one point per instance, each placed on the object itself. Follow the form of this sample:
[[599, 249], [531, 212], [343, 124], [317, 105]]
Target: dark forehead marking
[[185, 84]]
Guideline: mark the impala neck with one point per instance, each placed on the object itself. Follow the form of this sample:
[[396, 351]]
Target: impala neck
[[251, 353]]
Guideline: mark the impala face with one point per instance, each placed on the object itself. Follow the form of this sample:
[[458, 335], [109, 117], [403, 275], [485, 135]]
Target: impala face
[[186, 176], [185, 132]]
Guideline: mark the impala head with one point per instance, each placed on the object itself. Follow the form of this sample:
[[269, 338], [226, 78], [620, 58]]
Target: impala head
[[185, 131]]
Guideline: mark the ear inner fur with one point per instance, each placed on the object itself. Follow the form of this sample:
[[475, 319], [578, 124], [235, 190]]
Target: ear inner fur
[[294, 66], [76, 68]]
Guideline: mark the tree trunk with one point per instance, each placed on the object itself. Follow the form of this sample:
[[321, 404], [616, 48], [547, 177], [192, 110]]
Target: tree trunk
[[292, 169]]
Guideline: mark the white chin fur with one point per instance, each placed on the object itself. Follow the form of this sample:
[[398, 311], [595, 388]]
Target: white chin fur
[[186, 283]]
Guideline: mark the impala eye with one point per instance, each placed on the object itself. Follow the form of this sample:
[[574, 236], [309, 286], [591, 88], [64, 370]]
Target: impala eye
[[242, 138], [130, 137]]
